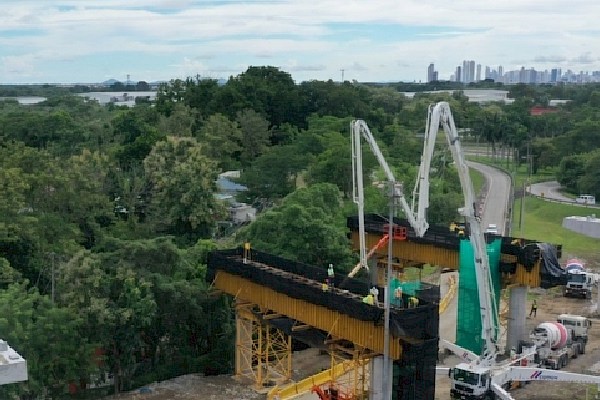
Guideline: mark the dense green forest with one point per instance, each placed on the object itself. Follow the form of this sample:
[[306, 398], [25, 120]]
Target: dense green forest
[[108, 212]]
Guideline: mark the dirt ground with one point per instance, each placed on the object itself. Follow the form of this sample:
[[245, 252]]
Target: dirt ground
[[550, 304], [224, 387]]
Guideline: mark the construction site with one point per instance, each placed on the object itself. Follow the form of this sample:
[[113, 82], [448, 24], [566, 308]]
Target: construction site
[[386, 331]]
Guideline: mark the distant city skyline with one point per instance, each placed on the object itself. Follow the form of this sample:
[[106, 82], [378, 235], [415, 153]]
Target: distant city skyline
[[470, 71], [70, 41]]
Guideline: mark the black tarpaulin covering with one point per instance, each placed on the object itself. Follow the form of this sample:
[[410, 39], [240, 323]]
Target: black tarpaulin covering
[[303, 282], [551, 272], [414, 373], [440, 236]]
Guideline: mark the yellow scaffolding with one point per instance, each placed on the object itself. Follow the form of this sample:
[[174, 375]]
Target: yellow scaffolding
[[263, 353]]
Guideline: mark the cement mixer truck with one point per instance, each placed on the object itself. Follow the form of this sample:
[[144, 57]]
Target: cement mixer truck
[[557, 342]]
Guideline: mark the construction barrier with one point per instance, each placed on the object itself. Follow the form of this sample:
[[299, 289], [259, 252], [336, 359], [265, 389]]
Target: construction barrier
[[449, 295]]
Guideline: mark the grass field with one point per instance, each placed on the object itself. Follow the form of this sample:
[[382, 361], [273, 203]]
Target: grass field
[[543, 221]]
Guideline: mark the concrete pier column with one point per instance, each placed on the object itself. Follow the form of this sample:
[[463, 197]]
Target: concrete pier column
[[516, 324], [376, 391]]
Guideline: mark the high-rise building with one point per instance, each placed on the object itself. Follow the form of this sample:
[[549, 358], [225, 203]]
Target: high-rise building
[[458, 74], [488, 72], [500, 72], [468, 71], [478, 76], [431, 73]]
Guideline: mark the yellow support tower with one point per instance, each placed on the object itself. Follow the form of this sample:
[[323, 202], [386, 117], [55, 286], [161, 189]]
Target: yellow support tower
[[263, 353]]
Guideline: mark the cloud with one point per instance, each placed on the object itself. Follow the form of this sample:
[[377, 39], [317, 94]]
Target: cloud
[[585, 58], [378, 39], [22, 65], [550, 59]]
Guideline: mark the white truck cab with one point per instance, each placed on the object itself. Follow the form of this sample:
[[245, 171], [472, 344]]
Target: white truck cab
[[579, 325], [470, 382]]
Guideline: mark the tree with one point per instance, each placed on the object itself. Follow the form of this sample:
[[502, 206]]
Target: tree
[[221, 141], [334, 164], [169, 94], [116, 303], [589, 182], [307, 227], [269, 92], [571, 168], [138, 133], [182, 189], [50, 338], [255, 135], [274, 174], [180, 122]]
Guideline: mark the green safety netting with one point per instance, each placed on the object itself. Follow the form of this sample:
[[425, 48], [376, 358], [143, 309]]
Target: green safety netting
[[468, 321], [409, 288]]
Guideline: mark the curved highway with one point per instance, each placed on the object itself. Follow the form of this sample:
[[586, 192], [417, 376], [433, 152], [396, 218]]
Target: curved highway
[[550, 190], [496, 197]]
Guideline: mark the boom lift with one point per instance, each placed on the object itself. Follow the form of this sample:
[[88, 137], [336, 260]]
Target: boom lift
[[482, 377]]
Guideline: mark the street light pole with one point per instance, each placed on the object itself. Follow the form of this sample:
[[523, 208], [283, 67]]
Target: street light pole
[[387, 379]]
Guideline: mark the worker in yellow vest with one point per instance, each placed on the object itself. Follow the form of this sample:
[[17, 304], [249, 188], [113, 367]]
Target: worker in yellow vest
[[368, 299], [413, 302]]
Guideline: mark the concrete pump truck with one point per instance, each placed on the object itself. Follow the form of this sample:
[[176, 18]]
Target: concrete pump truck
[[482, 376]]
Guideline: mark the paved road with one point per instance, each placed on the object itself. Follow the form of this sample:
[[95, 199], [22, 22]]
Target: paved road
[[496, 201], [550, 190]]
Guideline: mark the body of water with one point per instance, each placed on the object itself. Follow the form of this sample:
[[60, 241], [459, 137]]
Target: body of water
[[25, 100], [475, 95]]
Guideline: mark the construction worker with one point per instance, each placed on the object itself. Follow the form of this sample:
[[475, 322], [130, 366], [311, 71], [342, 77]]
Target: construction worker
[[325, 286], [398, 296], [375, 293], [413, 302], [368, 299], [330, 275], [533, 309]]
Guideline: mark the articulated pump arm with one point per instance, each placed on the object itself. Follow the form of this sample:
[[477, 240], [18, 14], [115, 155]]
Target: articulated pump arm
[[440, 114], [417, 220]]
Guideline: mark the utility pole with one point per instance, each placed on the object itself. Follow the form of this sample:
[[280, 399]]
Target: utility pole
[[387, 378]]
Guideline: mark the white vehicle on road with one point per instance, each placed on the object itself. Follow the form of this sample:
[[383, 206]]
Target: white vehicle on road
[[585, 199], [492, 228]]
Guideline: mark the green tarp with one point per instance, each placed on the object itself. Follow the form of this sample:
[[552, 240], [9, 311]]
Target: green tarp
[[468, 321]]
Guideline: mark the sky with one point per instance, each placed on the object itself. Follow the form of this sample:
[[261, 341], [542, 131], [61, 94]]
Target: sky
[[87, 41]]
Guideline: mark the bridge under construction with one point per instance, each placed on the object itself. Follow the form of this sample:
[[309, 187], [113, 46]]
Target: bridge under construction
[[278, 299]]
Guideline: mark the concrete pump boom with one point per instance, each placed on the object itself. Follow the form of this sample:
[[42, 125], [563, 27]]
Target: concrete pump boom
[[416, 219], [439, 114]]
